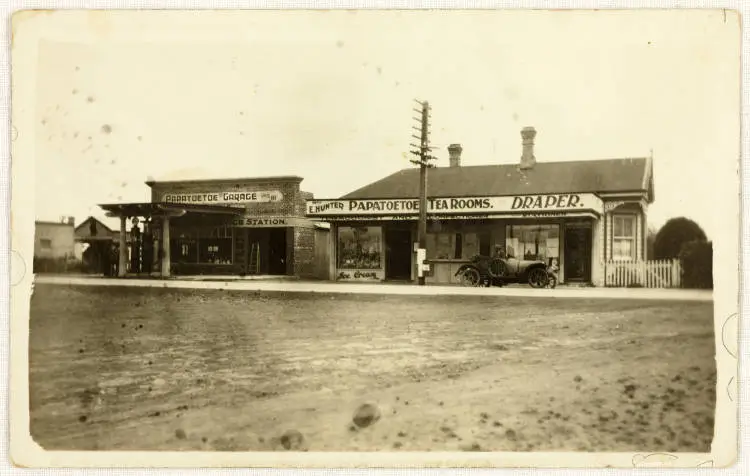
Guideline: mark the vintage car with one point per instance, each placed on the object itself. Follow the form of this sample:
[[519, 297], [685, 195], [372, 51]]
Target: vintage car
[[497, 271]]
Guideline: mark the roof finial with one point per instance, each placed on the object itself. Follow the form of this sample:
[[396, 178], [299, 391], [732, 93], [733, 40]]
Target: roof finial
[[651, 153]]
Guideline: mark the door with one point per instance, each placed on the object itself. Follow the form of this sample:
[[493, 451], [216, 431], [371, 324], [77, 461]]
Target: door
[[578, 254], [398, 254], [277, 251]]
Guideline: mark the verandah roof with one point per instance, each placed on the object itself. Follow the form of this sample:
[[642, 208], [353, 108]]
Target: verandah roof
[[147, 209]]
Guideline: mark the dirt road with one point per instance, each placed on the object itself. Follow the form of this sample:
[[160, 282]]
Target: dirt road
[[149, 369]]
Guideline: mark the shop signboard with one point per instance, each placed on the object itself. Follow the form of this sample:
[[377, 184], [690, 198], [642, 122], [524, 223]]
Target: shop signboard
[[229, 197], [360, 275], [540, 205], [255, 221], [432, 216]]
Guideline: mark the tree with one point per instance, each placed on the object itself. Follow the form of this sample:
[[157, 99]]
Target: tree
[[697, 264], [650, 239], [674, 234]]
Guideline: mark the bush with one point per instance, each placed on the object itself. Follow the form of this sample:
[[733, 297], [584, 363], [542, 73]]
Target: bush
[[696, 258], [650, 240], [673, 235], [57, 265]]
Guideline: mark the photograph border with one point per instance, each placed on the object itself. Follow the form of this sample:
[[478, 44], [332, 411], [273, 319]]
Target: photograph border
[[29, 27]]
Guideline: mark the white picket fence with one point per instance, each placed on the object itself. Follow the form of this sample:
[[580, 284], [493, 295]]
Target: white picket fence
[[647, 274]]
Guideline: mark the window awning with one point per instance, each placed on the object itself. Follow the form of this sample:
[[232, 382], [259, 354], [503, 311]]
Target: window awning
[[149, 209]]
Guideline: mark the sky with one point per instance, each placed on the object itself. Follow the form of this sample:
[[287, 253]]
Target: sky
[[121, 98]]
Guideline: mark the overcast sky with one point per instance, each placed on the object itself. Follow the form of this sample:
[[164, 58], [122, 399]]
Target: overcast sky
[[328, 96]]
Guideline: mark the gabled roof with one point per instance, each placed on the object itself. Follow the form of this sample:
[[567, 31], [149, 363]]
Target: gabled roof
[[585, 176], [99, 224]]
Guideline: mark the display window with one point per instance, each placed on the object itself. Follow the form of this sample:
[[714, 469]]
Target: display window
[[453, 245], [215, 246], [360, 247], [532, 242], [184, 246], [202, 246]]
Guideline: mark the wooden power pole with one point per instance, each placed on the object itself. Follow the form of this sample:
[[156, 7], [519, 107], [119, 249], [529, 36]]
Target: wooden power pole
[[422, 151]]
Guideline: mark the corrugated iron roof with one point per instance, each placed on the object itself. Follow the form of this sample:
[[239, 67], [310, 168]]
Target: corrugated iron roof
[[585, 176]]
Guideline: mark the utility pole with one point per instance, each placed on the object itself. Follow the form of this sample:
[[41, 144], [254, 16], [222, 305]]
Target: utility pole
[[423, 152]]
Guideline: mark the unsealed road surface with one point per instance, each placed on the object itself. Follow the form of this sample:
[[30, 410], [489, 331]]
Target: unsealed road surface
[[120, 368]]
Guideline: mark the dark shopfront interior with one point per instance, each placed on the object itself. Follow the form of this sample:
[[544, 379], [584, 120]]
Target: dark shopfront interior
[[577, 253], [266, 251], [208, 249], [399, 249], [221, 249], [205, 240]]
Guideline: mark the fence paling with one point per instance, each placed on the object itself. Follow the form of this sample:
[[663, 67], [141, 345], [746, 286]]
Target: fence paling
[[650, 274]]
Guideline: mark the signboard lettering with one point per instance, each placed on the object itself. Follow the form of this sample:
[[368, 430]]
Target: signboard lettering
[[456, 205], [539, 202], [359, 275], [254, 221], [260, 222], [216, 198]]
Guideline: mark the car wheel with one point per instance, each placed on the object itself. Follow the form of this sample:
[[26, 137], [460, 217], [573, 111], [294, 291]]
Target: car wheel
[[496, 268], [470, 278], [537, 278]]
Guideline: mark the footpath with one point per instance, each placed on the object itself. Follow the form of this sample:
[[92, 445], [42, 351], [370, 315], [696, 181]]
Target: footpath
[[326, 287]]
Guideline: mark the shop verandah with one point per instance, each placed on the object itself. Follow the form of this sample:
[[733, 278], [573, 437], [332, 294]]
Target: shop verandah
[[148, 251]]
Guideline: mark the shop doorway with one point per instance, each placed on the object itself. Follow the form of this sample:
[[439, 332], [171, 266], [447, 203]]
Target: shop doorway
[[266, 251], [277, 251], [398, 254], [578, 254]]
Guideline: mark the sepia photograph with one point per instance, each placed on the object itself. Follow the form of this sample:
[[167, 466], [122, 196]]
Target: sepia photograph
[[509, 236]]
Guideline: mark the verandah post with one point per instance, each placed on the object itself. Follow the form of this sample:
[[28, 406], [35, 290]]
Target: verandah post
[[166, 262], [123, 261]]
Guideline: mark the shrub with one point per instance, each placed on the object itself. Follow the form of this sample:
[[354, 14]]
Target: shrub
[[650, 240], [696, 258], [57, 265], [673, 235]]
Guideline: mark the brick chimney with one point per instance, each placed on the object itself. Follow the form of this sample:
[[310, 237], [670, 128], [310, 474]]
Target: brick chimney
[[527, 156], [454, 152]]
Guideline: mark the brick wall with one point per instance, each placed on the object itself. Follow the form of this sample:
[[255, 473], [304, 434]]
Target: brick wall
[[300, 242], [301, 209], [304, 252]]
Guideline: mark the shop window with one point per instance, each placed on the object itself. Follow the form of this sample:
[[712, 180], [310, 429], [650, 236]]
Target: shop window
[[452, 245], [359, 247], [623, 237], [441, 245], [470, 245], [202, 246], [215, 246], [532, 242], [45, 243], [184, 250]]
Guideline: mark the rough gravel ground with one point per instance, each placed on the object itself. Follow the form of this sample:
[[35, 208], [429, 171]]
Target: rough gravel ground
[[117, 368]]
